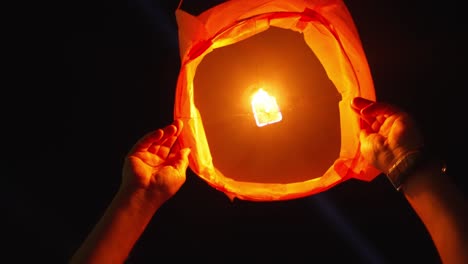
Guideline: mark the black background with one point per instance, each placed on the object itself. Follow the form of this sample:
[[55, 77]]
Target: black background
[[85, 80]]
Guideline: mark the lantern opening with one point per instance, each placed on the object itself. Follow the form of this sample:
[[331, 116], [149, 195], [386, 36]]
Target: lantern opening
[[292, 150], [265, 108]]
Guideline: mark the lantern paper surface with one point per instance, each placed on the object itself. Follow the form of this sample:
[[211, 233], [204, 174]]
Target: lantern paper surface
[[255, 131]]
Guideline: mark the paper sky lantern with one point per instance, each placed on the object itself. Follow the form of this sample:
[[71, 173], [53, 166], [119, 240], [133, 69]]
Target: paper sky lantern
[[257, 131]]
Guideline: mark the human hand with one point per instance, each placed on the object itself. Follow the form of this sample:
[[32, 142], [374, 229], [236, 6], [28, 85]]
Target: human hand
[[387, 133], [156, 164]]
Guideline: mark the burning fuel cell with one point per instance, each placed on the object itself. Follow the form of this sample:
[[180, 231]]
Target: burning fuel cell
[[265, 108]]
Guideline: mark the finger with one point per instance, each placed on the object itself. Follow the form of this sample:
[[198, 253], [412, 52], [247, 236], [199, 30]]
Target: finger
[[364, 124], [375, 109], [147, 141], [377, 123], [376, 126], [170, 138], [168, 131], [179, 126], [380, 119], [181, 160], [358, 103], [376, 113], [154, 148], [176, 147], [368, 120], [389, 122], [364, 133], [166, 146], [166, 141]]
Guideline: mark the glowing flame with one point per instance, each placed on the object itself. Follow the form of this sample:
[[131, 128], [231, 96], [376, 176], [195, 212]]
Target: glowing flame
[[266, 110]]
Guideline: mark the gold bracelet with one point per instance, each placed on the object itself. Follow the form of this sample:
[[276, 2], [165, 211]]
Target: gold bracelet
[[400, 171]]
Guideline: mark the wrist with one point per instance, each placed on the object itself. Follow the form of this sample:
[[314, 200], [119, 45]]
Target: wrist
[[400, 172], [142, 199]]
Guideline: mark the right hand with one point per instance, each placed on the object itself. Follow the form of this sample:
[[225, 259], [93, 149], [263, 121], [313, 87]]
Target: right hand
[[387, 133]]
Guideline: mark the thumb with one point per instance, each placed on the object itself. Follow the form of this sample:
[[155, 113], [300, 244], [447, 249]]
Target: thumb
[[363, 136], [181, 159]]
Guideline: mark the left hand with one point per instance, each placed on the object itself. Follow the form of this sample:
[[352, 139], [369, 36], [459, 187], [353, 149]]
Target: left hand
[[156, 164]]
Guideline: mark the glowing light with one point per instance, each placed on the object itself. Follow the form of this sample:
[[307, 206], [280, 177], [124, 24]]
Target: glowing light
[[265, 108]]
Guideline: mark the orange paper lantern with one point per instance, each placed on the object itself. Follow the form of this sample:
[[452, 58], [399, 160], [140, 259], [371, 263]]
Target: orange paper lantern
[[258, 136]]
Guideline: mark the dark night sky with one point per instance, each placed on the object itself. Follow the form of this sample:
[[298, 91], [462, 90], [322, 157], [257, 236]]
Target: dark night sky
[[91, 78]]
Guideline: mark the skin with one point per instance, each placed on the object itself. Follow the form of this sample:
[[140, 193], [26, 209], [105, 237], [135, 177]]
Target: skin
[[387, 134], [154, 170]]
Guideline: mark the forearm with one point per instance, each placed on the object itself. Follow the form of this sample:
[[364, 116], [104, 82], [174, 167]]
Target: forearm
[[442, 208], [117, 231]]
